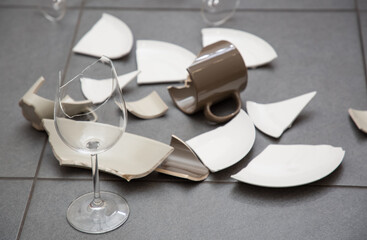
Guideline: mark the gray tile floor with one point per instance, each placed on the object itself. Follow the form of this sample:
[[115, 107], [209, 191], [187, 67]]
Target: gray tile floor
[[321, 46]]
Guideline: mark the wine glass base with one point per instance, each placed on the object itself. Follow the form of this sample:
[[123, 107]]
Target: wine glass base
[[85, 218]]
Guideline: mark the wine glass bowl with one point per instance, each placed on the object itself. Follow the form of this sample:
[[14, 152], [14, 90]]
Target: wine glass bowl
[[95, 212]]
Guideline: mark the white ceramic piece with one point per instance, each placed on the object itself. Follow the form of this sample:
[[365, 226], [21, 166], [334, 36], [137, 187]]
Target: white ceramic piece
[[359, 117], [291, 165], [161, 62], [98, 90], [183, 162], [274, 118], [35, 108], [109, 37], [225, 145], [254, 50], [131, 157], [151, 106]]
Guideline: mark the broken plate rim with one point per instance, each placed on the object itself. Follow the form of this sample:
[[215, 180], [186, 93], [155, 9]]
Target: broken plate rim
[[260, 169]]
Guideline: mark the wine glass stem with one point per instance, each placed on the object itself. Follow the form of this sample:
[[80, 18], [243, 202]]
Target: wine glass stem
[[97, 201]]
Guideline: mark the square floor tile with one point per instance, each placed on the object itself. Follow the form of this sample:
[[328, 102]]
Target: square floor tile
[[14, 196], [362, 4]]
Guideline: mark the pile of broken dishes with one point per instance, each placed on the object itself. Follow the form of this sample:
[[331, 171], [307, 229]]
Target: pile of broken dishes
[[276, 166]]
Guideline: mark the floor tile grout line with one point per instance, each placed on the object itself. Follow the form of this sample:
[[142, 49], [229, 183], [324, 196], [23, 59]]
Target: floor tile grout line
[[32, 190], [31, 7], [238, 10], [358, 15], [16, 178], [193, 182], [81, 7]]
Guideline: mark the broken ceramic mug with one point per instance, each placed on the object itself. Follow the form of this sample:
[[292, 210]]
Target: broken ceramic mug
[[218, 73]]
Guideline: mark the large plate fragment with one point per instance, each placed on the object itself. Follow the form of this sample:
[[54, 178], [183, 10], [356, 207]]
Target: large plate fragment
[[291, 165], [274, 118], [131, 157]]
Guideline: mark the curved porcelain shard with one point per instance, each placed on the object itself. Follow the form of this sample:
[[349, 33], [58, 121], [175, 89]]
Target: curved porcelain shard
[[98, 90], [151, 106], [109, 37], [35, 108], [131, 157], [291, 165], [183, 162], [274, 118], [254, 50], [359, 117], [226, 145], [162, 62]]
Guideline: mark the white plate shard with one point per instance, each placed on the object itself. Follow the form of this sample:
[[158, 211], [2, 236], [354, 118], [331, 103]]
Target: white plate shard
[[359, 117], [225, 145], [109, 37], [162, 62], [98, 90], [125, 159], [291, 165], [274, 118], [254, 50], [151, 106]]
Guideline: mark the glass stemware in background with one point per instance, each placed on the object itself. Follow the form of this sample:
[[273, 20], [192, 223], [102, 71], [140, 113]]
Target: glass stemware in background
[[217, 12], [53, 10], [95, 212]]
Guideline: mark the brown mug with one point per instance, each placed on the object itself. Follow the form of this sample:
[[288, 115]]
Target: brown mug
[[217, 73]]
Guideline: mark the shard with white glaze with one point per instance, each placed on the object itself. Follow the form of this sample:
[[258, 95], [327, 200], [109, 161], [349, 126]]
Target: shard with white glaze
[[359, 117], [151, 106], [109, 37], [291, 165], [161, 62], [255, 51], [226, 145], [274, 118], [99, 90]]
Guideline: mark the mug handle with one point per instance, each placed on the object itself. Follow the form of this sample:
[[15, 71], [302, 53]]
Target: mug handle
[[220, 119]]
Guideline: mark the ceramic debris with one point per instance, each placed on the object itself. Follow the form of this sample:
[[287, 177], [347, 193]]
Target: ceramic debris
[[359, 118], [151, 106], [99, 90], [161, 62], [254, 50], [225, 145], [183, 162], [274, 118], [291, 165], [35, 108], [125, 159], [109, 37]]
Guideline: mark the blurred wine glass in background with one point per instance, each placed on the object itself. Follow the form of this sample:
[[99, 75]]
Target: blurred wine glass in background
[[217, 12], [53, 10]]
